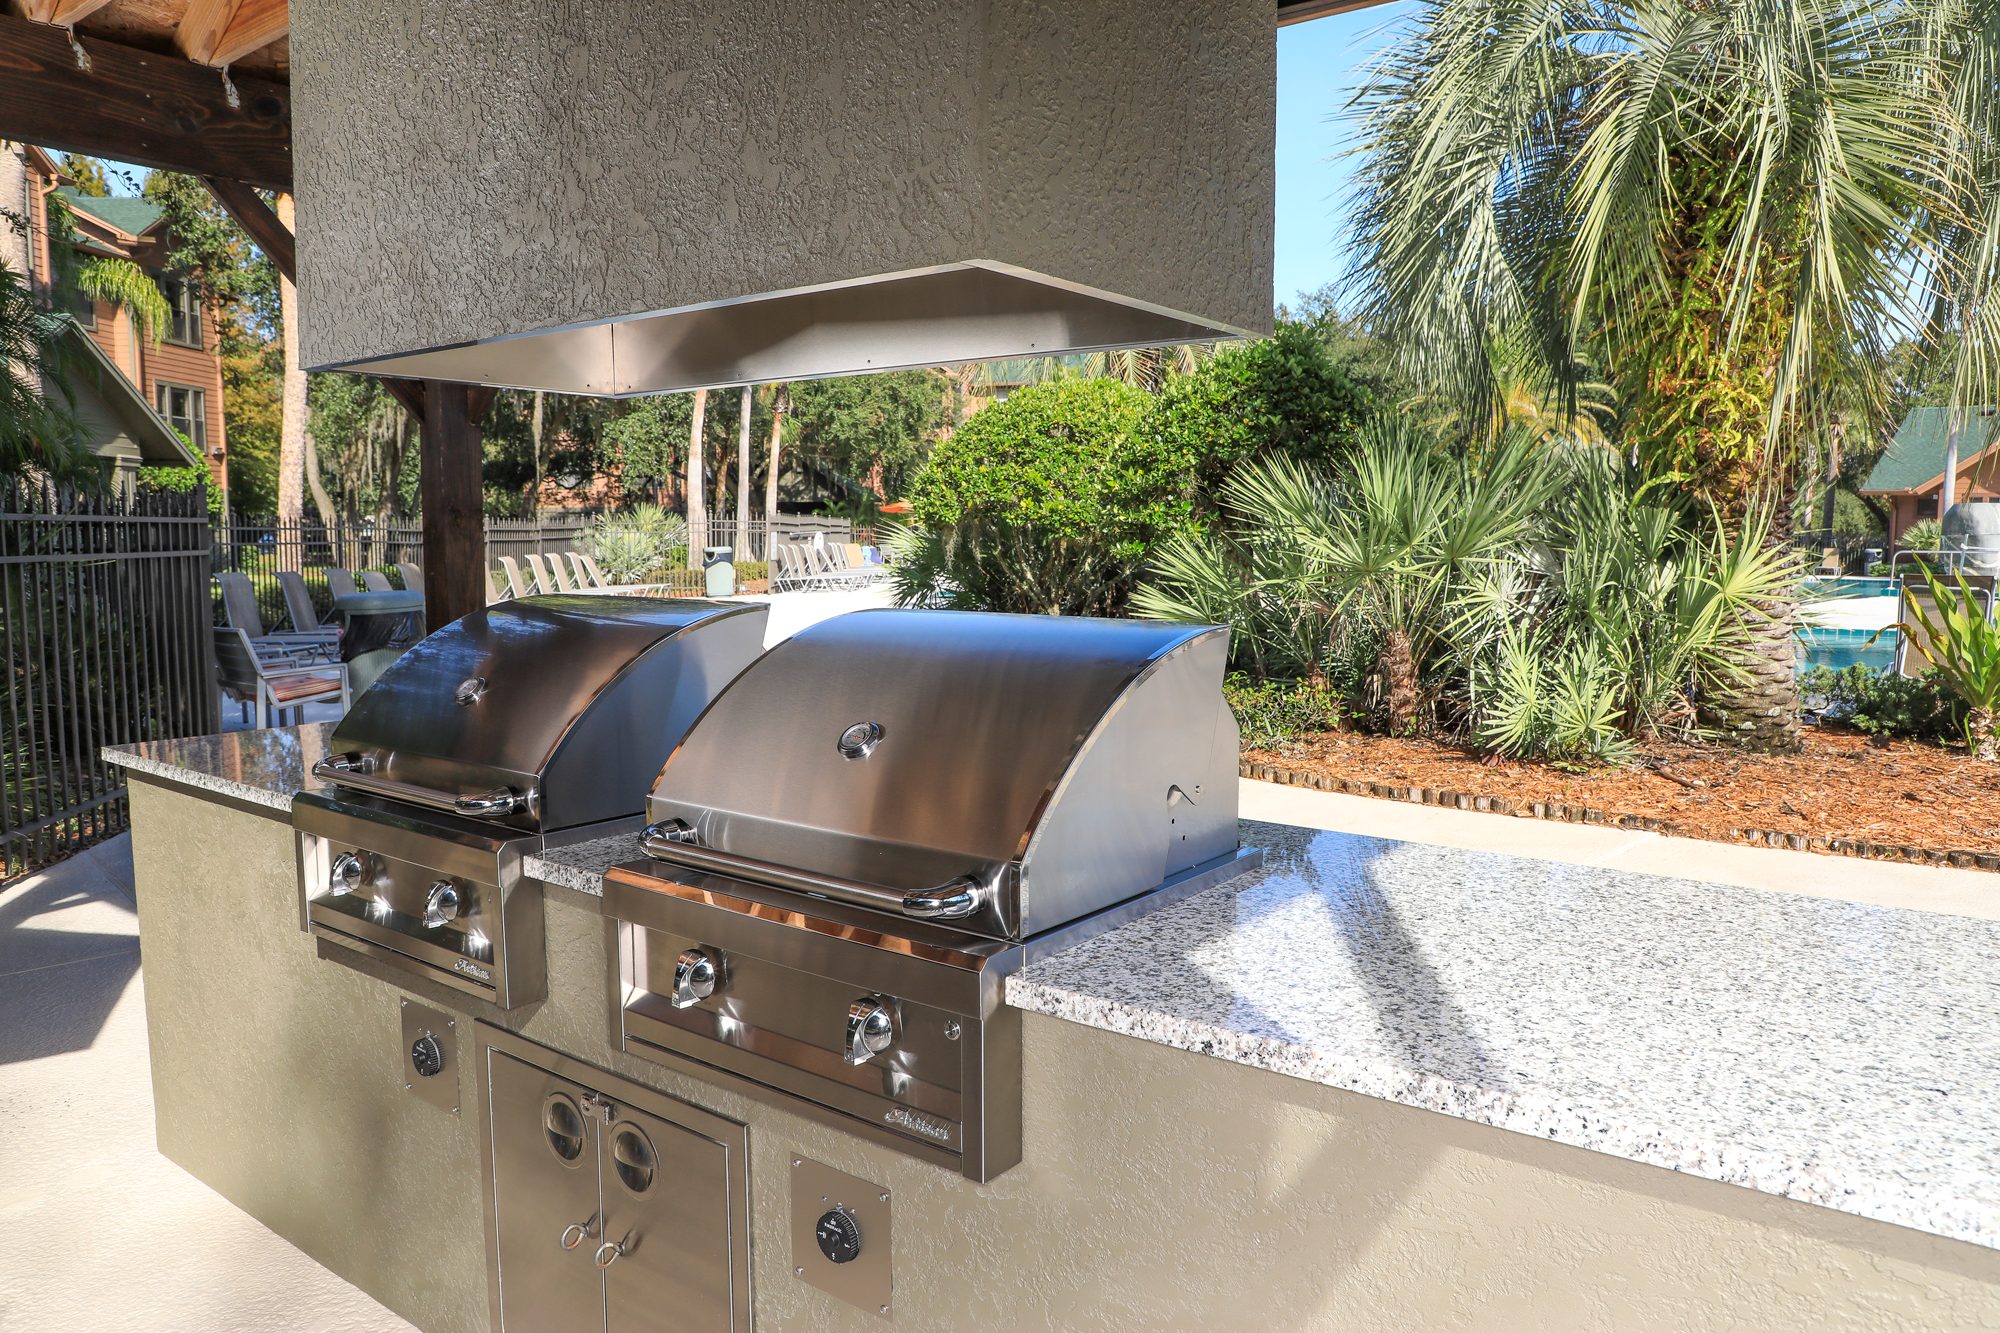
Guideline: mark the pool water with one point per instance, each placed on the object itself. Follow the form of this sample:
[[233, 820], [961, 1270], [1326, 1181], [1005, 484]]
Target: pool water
[[1842, 648], [1849, 585]]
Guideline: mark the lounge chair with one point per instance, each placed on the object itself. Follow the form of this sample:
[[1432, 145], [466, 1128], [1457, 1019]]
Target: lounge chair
[[239, 612], [374, 580], [273, 684], [300, 609], [545, 579], [412, 575], [584, 570], [1909, 660], [340, 583], [519, 584]]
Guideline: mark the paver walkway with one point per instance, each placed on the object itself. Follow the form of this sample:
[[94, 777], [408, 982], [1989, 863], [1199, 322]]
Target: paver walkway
[[97, 1230]]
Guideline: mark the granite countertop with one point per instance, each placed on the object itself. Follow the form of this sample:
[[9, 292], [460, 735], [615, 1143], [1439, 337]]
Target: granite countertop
[[266, 768], [1837, 1053]]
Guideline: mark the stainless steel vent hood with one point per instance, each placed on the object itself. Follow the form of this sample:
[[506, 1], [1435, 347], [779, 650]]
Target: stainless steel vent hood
[[622, 196]]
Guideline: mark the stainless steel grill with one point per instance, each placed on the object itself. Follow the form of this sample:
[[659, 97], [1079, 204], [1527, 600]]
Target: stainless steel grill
[[886, 815], [532, 723]]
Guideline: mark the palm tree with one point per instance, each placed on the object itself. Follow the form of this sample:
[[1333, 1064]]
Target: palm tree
[[1141, 367], [1727, 209], [38, 427]]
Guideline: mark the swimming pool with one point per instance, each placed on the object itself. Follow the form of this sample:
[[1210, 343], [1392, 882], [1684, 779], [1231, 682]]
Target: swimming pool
[[1849, 585], [1821, 645]]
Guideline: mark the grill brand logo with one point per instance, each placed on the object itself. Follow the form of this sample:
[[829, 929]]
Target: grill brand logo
[[917, 1122], [471, 969]]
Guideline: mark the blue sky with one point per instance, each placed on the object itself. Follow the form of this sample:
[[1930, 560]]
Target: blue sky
[[1318, 64]]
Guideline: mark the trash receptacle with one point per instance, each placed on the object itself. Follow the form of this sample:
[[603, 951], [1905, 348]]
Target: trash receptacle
[[719, 561]]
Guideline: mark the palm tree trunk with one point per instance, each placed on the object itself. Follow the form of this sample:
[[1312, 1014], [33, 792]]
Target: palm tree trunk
[[1761, 712], [1979, 731], [697, 512], [742, 541], [780, 404]]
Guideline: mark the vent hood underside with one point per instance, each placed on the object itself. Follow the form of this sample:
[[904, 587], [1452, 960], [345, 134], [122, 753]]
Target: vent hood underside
[[977, 311]]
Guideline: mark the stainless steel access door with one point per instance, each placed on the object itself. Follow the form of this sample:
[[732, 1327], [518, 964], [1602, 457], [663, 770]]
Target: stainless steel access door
[[545, 1198], [666, 1212]]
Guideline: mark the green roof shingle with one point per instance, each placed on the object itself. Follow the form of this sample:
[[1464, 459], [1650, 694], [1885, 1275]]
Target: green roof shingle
[[121, 211], [1916, 455]]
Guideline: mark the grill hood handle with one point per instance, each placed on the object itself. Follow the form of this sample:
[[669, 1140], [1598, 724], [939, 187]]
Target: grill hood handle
[[350, 771], [954, 898]]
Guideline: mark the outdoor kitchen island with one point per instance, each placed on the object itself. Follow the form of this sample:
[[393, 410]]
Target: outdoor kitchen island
[[1371, 1085]]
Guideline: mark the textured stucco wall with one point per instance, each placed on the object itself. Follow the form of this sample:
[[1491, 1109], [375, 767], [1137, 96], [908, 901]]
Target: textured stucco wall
[[1160, 1189], [467, 170]]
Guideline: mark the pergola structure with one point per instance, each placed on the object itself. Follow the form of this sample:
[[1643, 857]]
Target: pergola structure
[[203, 87]]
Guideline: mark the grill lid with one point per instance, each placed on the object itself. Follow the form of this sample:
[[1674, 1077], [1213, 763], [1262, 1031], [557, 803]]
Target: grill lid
[[1062, 757], [543, 712]]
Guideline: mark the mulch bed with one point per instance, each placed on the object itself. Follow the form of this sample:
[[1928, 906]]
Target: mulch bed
[[1846, 794]]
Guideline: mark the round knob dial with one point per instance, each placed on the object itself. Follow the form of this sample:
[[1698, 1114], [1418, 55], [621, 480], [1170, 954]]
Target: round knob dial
[[838, 1236], [695, 976], [426, 1055], [870, 1028], [442, 905], [347, 873]]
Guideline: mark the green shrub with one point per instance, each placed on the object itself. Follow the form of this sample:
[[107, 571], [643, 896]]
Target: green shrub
[[1273, 712], [1043, 503], [1926, 534], [180, 481], [1063, 458], [1885, 703], [1278, 395]]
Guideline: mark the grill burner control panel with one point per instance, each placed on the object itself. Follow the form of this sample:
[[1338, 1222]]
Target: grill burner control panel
[[840, 1235]]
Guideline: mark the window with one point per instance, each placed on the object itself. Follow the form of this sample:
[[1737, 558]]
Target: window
[[184, 298], [82, 306], [186, 410]]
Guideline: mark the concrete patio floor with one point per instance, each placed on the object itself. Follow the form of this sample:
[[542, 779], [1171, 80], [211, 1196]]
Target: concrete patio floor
[[97, 1230], [100, 1232]]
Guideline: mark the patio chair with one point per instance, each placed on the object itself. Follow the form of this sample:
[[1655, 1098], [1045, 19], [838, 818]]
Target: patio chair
[[273, 684], [299, 607], [374, 580], [549, 570], [1916, 593], [856, 556], [239, 612], [589, 578], [831, 559], [496, 588], [521, 585], [412, 575], [340, 583]]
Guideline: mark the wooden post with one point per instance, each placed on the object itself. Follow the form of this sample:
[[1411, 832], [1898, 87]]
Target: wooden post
[[453, 513]]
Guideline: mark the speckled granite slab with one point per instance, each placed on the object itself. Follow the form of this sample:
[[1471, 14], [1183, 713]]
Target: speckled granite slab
[[266, 768], [1837, 1053], [581, 865]]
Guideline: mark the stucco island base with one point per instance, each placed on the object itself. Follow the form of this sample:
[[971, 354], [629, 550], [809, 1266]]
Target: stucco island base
[[1160, 1189]]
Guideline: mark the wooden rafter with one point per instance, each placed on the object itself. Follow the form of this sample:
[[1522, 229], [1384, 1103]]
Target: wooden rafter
[[262, 225], [65, 13], [136, 106], [220, 32]]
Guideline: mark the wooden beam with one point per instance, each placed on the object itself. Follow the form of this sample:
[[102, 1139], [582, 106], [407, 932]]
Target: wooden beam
[[257, 24], [63, 12], [134, 106], [219, 32], [451, 456], [262, 225], [410, 393], [1300, 11]]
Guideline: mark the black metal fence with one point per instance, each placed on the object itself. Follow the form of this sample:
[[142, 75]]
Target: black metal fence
[[104, 631]]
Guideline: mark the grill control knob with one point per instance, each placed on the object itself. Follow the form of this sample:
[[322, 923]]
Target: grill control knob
[[838, 1236], [870, 1029], [347, 874], [695, 977], [442, 905]]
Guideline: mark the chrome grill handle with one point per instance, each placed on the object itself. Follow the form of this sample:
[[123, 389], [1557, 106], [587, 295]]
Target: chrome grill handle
[[955, 898], [352, 772], [489, 805]]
